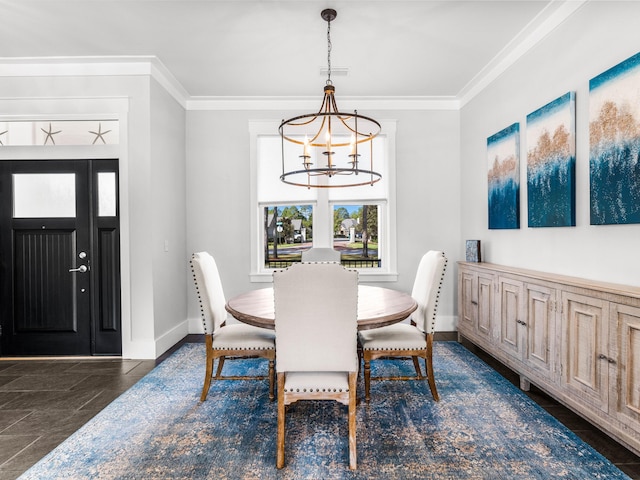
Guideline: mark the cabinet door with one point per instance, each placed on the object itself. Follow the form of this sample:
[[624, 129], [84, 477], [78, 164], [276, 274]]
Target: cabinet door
[[540, 326], [626, 320], [485, 306], [468, 302], [585, 348], [511, 316]]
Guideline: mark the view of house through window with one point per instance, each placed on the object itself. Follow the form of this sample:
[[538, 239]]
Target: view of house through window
[[289, 231], [355, 235]]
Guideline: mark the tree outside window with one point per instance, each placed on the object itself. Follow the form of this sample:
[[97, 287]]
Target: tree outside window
[[355, 235], [288, 231]]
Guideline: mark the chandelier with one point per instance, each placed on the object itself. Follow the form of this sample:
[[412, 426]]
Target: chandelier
[[324, 149]]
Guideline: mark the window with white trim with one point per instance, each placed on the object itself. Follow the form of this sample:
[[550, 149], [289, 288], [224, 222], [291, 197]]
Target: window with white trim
[[285, 219]]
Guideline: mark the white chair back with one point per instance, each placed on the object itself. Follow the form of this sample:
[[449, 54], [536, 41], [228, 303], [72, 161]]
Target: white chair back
[[209, 291], [426, 289], [316, 312], [321, 255]]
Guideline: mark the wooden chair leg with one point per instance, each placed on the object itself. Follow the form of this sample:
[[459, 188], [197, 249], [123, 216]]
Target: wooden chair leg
[[353, 461], [271, 379], [416, 365], [429, 368], [367, 377], [220, 365], [208, 369], [281, 421]]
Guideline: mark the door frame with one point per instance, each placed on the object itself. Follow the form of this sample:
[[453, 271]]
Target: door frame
[[119, 104]]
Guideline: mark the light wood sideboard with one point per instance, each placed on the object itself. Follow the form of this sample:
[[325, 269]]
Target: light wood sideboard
[[576, 339]]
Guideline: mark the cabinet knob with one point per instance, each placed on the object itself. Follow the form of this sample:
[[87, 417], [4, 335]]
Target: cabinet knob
[[604, 357]]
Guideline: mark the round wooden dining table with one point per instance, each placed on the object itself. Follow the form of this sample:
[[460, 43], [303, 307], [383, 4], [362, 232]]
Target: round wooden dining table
[[377, 307]]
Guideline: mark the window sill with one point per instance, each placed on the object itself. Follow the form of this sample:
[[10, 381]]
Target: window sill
[[365, 276]]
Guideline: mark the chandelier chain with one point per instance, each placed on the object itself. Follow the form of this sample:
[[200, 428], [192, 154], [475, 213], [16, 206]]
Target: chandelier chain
[[329, 82]]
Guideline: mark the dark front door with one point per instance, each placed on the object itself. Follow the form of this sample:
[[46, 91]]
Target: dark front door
[[59, 258]]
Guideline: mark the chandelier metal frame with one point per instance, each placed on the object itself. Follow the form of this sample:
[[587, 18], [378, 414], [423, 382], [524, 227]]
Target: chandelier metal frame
[[328, 130]]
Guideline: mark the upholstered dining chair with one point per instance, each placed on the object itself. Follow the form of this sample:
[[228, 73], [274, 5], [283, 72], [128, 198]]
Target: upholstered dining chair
[[320, 255], [316, 310], [225, 340], [414, 339]]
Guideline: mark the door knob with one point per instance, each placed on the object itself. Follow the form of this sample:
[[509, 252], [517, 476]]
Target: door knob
[[81, 269]]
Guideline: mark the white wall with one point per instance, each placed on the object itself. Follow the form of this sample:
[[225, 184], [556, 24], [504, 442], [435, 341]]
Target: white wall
[[428, 195], [598, 36], [168, 241], [428, 199]]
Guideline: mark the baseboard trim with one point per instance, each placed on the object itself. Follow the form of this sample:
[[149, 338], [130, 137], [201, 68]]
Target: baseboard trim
[[170, 338]]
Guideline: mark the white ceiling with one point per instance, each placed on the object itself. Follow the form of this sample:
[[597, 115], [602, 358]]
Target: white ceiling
[[240, 48]]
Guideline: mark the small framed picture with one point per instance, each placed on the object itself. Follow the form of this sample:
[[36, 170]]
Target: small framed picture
[[473, 251]]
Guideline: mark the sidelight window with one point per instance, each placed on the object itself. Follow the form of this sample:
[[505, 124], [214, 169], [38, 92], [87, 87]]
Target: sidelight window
[[107, 194]]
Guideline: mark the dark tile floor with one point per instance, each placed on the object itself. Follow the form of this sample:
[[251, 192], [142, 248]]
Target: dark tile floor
[[42, 402]]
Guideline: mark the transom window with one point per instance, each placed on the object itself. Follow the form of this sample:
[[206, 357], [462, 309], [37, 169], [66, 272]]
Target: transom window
[[59, 132], [286, 220]]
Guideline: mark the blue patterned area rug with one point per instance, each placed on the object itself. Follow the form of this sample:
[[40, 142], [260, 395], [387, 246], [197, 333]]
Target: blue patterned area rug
[[482, 428]]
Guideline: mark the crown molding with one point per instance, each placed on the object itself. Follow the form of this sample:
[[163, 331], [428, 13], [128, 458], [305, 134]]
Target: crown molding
[[153, 67], [347, 104], [553, 15], [95, 66]]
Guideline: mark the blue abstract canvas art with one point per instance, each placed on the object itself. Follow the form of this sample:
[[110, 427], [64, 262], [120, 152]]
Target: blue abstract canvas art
[[503, 155], [551, 190], [614, 146]]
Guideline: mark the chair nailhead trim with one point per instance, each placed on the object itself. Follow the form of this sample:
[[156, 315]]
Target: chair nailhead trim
[[245, 348], [195, 281], [433, 319], [317, 390], [394, 348]]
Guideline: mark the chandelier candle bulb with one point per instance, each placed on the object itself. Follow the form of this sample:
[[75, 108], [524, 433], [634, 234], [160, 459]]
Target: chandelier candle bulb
[[306, 158]]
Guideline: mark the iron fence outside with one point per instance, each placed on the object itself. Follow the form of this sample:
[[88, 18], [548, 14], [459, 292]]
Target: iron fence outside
[[359, 263]]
